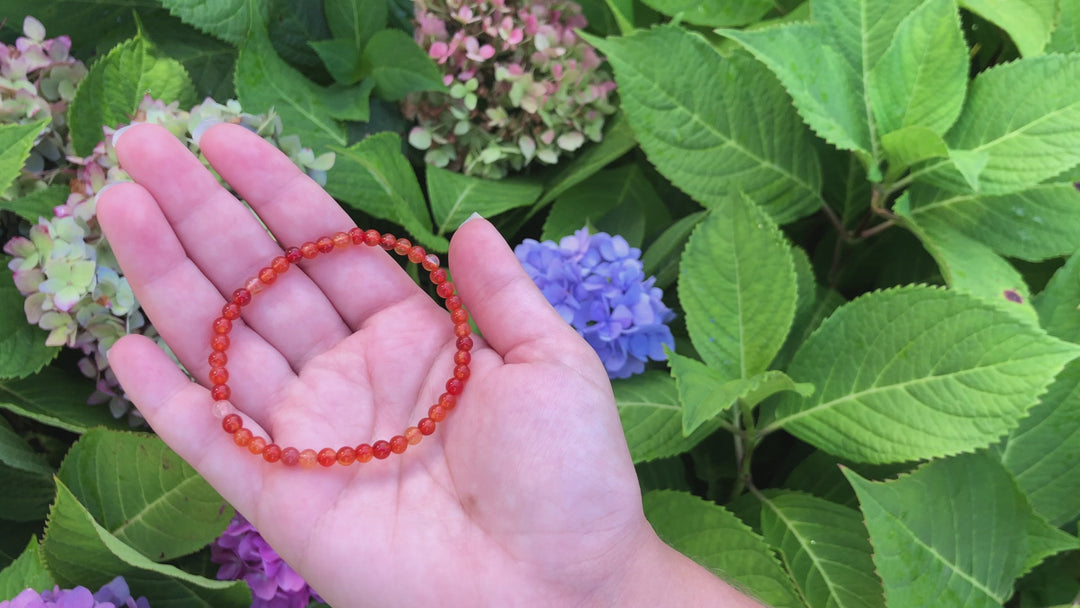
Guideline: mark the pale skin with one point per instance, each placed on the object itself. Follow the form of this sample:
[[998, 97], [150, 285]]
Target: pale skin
[[524, 496]]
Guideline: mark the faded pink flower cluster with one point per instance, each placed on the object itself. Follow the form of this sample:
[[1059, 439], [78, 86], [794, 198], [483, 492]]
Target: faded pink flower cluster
[[523, 86]]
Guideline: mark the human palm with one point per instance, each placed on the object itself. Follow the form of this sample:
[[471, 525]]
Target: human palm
[[524, 495]]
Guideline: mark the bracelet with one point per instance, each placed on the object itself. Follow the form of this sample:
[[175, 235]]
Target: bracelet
[[307, 458]]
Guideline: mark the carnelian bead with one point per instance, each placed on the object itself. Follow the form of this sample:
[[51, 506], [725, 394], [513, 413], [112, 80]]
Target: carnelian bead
[[346, 455], [462, 329], [267, 275], [387, 241], [459, 316], [242, 297], [356, 235], [426, 426], [232, 423], [447, 401], [308, 458], [280, 264], [461, 372], [309, 250], [256, 445], [290, 456], [380, 449], [293, 255], [413, 435], [438, 276], [218, 375], [436, 413], [219, 343], [242, 437], [254, 285], [445, 290], [231, 311], [454, 386], [402, 247], [222, 325], [416, 254], [325, 244], [271, 453], [364, 453], [372, 238], [430, 262], [341, 240], [220, 392], [221, 409], [453, 303], [462, 357], [327, 457], [217, 359], [465, 343], [398, 444]]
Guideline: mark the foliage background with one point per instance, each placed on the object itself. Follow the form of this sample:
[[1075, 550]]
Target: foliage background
[[863, 212]]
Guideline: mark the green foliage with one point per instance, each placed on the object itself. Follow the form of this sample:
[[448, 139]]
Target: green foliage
[[454, 197], [22, 346], [229, 20], [27, 571], [21, 467], [651, 415], [1028, 22], [15, 143], [398, 66]]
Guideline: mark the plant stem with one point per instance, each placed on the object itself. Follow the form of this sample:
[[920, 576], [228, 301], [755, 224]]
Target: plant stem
[[744, 448]]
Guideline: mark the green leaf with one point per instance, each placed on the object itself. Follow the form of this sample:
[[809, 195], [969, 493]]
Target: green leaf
[[947, 534], [1044, 541], [909, 145], [661, 259], [454, 197], [229, 20], [16, 453], [78, 551], [1023, 116], [717, 125], [713, 13], [37, 204], [821, 474], [143, 493], [340, 59], [26, 572], [399, 66], [349, 102], [23, 468], [1059, 304], [737, 288], [1028, 22], [618, 140], [617, 201], [824, 547], [1066, 36], [209, 61], [922, 77], [917, 372], [355, 21], [56, 398], [265, 82], [15, 143], [373, 176], [814, 305], [716, 539], [115, 86], [652, 417], [22, 346]]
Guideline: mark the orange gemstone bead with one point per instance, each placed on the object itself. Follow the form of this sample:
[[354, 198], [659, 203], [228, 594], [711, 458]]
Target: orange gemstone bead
[[447, 401], [218, 375], [462, 329], [308, 458], [372, 238], [268, 275], [256, 445], [445, 290], [454, 386], [453, 303], [430, 262], [325, 244], [356, 235], [459, 316], [254, 285], [387, 241], [341, 240], [426, 426], [465, 343], [380, 449], [219, 343], [293, 255], [327, 457], [290, 456], [280, 264], [345, 456], [402, 247], [222, 325], [398, 444], [461, 372], [232, 423], [413, 435], [231, 311], [436, 413], [272, 452], [242, 297], [462, 357], [309, 250], [217, 358], [242, 437], [416, 254], [220, 392], [438, 276], [364, 453]]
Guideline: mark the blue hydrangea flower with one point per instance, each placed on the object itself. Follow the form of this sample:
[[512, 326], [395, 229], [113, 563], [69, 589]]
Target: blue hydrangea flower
[[597, 284], [244, 553], [113, 595]]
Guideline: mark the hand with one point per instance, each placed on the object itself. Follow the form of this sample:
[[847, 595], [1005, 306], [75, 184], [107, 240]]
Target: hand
[[525, 495]]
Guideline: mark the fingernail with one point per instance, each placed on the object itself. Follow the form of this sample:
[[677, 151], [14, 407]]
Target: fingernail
[[104, 190], [472, 217], [116, 134]]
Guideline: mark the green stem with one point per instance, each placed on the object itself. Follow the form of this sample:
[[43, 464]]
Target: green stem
[[744, 448]]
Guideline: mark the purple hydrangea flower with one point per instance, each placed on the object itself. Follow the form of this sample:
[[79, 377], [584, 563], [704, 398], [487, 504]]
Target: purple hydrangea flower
[[113, 595], [597, 284], [244, 553]]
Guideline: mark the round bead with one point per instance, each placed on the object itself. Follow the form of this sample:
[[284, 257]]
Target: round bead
[[453, 303], [268, 275], [438, 276], [454, 386], [447, 401], [413, 435], [220, 392], [398, 444], [254, 285], [309, 250], [242, 437], [280, 264], [462, 329], [222, 325], [436, 413], [290, 456], [402, 247], [387, 241], [308, 458], [346, 455], [426, 426], [372, 238], [364, 453], [256, 445], [242, 297], [231, 311], [232, 423], [219, 343], [218, 375], [380, 449], [325, 244], [459, 316], [341, 240], [430, 262], [221, 409], [416, 254], [217, 358], [462, 357], [271, 453], [356, 235], [465, 343], [445, 290], [327, 457], [461, 372], [293, 255]]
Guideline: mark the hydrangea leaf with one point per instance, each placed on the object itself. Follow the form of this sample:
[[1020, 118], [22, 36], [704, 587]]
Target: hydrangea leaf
[[55, 398], [454, 197], [661, 259], [617, 201], [921, 78], [23, 468], [821, 474], [825, 548], [917, 372], [815, 303], [26, 572], [114, 87], [1058, 303], [1066, 36], [143, 493], [78, 551], [1023, 116], [651, 417], [737, 288], [264, 81], [22, 346], [714, 13], [355, 21], [618, 140], [340, 59], [229, 20], [947, 534], [15, 143], [909, 145], [1045, 541], [373, 176], [1028, 22], [37, 204], [399, 66], [713, 537], [716, 125], [351, 102], [209, 61]]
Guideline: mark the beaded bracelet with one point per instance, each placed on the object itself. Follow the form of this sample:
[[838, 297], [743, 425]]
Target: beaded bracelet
[[290, 456]]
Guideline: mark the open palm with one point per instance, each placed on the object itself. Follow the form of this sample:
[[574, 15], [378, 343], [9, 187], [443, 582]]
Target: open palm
[[524, 495]]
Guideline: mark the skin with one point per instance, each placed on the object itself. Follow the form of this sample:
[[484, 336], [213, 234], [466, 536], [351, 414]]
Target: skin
[[524, 496]]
